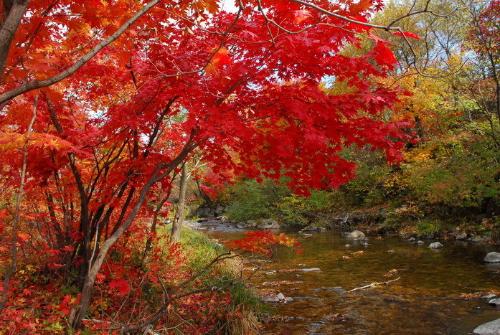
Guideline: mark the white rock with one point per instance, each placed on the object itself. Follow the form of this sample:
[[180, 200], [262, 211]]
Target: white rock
[[488, 328], [280, 297], [494, 302], [311, 270], [492, 257], [268, 224], [435, 245], [356, 235]]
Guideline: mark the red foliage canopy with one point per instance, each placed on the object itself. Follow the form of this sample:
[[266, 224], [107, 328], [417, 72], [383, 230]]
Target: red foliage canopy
[[242, 88]]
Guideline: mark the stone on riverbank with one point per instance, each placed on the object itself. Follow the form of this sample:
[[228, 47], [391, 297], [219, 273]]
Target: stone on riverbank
[[312, 228], [492, 257], [488, 328], [435, 245], [479, 239], [268, 224], [356, 235]]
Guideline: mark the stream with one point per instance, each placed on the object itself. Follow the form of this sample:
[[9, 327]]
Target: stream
[[428, 291]]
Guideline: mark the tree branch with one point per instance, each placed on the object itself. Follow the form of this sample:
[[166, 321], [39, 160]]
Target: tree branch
[[35, 84]]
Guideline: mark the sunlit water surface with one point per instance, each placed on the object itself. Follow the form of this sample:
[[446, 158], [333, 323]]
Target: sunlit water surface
[[437, 293]]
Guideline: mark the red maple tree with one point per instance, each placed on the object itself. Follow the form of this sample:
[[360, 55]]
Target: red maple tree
[[102, 102]]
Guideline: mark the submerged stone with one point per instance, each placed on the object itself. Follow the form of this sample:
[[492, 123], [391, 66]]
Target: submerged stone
[[488, 328], [311, 270]]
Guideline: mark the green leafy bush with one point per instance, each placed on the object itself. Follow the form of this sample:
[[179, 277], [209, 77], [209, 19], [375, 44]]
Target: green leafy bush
[[250, 200], [428, 228], [460, 172]]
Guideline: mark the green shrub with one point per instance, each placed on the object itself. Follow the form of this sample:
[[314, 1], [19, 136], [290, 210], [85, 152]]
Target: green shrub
[[250, 200], [299, 211], [460, 172], [428, 228]]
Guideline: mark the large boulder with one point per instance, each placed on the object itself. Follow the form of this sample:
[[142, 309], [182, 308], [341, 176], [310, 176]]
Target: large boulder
[[492, 257], [268, 224], [435, 245], [488, 328], [356, 235]]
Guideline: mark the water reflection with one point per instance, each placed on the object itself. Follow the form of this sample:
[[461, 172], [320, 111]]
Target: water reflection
[[437, 291]]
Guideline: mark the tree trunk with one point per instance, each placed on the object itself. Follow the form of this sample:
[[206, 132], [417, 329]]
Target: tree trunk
[[9, 27], [12, 268], [80, 311], [181, 205]]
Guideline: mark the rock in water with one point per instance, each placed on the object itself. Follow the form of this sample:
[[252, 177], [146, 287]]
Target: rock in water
[[495, 302], [356, 235], [280, 298], [268, 224], [488, 328], [313, 228], [435, 245], [492, 257]]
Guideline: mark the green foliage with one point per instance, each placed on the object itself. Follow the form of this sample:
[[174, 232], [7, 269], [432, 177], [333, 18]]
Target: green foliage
[[300, 211], [366, 189], [460, 171], [428, 228], [201, 250], [250, 200]]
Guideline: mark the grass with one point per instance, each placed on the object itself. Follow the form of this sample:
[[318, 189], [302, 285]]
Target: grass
[[200, 251]]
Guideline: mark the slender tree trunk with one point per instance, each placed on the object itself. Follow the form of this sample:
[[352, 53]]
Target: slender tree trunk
[[181, 205], [16, 9], [11, 270], [156, 214]]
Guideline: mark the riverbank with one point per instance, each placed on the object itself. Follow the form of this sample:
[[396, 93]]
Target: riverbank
[[239, 315], [191, 287], [378, 221]]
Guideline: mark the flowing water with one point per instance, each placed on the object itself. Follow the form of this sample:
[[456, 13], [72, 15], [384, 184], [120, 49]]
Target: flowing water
[[438, 291]]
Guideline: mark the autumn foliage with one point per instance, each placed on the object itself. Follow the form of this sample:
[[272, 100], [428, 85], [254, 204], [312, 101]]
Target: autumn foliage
[[240, 88]]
